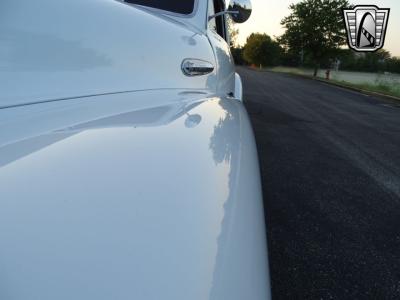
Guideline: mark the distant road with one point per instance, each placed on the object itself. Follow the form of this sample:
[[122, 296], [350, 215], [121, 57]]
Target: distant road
[[330, 160]]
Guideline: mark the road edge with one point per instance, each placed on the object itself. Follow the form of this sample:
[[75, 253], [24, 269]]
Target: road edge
[[337, 84]]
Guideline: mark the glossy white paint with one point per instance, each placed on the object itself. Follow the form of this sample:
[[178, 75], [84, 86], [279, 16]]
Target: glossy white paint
[[224, 64], [104, 201], [196, 19], [238, 87], [224, 60], [93, 47], [120, 177]]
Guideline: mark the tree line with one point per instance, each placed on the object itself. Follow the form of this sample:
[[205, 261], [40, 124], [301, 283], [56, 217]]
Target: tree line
[[314, 37]]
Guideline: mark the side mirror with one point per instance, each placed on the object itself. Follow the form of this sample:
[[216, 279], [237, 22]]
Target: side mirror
[[239, 10]]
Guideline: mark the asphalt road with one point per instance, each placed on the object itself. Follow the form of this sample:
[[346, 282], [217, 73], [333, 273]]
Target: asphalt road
[[330, 160]]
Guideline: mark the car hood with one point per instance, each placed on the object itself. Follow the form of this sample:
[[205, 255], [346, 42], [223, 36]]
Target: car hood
[[93, 47], [105, 199]]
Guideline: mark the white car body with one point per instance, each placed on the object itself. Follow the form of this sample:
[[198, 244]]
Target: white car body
[[120, 177]]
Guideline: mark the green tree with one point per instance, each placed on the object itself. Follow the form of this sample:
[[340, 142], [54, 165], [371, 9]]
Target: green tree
[[233, 33], [379, 61], [376, 61], [261, 49], [316, 28], [394, 65], [237, 54]]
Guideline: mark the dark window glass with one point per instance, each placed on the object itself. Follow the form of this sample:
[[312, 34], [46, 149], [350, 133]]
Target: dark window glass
[[217, 24], [177, 6]]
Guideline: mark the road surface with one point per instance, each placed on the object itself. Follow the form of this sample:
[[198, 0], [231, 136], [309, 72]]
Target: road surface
[[330, 160]]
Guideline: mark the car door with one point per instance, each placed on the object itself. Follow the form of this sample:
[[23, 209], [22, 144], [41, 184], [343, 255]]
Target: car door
[[219, 38]]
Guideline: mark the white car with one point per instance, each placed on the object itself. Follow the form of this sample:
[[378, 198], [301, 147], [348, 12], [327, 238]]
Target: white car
[[128, 168]]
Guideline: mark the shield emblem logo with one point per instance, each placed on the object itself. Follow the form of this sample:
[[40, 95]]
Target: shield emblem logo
[[366, 27]]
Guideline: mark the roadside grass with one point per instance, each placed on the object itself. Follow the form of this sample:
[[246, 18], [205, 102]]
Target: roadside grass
[[389, 87], [380, 87], [295, 71]]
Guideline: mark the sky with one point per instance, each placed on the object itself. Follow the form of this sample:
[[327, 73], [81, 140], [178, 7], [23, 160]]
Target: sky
[[267, 15]]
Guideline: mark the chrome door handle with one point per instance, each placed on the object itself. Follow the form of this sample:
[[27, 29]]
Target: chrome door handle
[[196, 67]]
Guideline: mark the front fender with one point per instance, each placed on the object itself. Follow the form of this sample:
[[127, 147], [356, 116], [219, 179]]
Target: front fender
[[161, 202]]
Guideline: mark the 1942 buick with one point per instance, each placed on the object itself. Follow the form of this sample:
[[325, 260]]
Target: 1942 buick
[[128, 168]]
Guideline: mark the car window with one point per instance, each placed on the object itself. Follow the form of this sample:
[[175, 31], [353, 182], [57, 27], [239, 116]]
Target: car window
[[177, 6], [217, 24]]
